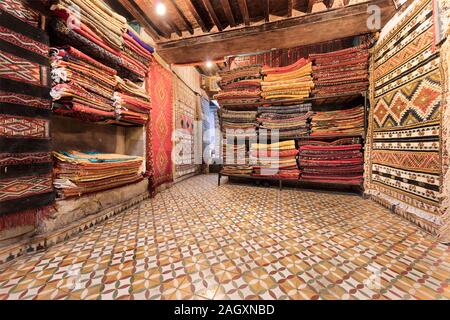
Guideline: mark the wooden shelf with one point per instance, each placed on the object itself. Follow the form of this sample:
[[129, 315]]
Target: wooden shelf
[[309, 137], [317, 100], [299, 181], [101, 123]]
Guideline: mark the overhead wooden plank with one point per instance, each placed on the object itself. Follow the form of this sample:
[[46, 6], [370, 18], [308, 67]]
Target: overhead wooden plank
[[180, 13], [310, 5], [267, 11], [287, 33], [196, 15], [244, 11], [212, 14], [290, 6], [136, 11], [227, 8]]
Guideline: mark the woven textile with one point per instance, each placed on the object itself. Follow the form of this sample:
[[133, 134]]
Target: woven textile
[[284, 121], [290, 82], [240, 86], [346, 121], [339, 161], [185, 115], [341, 72], [78, 173], [404, 168], [276, 160], [159, 84], [25, 161]]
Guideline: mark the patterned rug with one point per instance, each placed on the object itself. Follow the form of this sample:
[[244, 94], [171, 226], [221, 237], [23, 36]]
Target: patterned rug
[[186, 113], [159, 136], [405, 124], [25, 161]]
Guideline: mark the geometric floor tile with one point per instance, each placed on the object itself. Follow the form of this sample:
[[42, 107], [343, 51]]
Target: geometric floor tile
[[238, 241]]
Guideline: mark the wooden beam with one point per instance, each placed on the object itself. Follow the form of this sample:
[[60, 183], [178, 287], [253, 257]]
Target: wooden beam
[[212, 14], [310, 5], [186, 22], [290, 7], [175, 28], [244, 11], [297, 31], [138, 13], [196, 15], [227, 8], [267, 11]]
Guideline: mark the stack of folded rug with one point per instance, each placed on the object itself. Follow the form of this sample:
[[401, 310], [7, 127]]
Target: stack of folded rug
[[341, 72], [78, 173], [240, 170], [132, 103], [82, 87], [284, 121], [101, 33], [92, 19], [240, 86], [340, 161], [276, 160], [136, 54], [349, 121], [238, 123], [234, 153], [291, 82]]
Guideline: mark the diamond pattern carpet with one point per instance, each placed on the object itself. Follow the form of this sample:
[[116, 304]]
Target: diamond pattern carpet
[[200, 241]]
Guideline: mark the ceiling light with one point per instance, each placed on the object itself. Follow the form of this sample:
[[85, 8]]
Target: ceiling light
[[209, 64], [161, 9]]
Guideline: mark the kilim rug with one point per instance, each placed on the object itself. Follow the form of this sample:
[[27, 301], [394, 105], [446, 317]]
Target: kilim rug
[[159, 84], [185, 104], [405, 171], [25, 160]]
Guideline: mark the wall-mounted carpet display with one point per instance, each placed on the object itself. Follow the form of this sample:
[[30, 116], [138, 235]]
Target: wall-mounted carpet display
[[404, 169], [25, 159], [444, 232], [159, 85], [185, 104], [208, 128], [284, 57]]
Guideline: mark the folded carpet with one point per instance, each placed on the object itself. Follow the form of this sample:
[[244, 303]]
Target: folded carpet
[[131, 102], [275, 160], [291, 82], [341, 72], [284, 121], [340, 161], [77, 173], [347, 121]]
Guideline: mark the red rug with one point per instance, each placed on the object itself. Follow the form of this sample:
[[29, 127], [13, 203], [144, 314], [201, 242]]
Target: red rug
[[159, 133]]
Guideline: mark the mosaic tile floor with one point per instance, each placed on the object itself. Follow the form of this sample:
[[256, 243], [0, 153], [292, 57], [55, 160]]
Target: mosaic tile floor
[[200, 241]]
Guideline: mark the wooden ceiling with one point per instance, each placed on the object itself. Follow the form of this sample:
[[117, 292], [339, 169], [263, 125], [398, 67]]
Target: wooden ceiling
[[195, 30]]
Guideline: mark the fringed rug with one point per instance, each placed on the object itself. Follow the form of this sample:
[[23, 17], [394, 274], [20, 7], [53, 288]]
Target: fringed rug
[[25, 161], [405, 123], [159, 135]]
